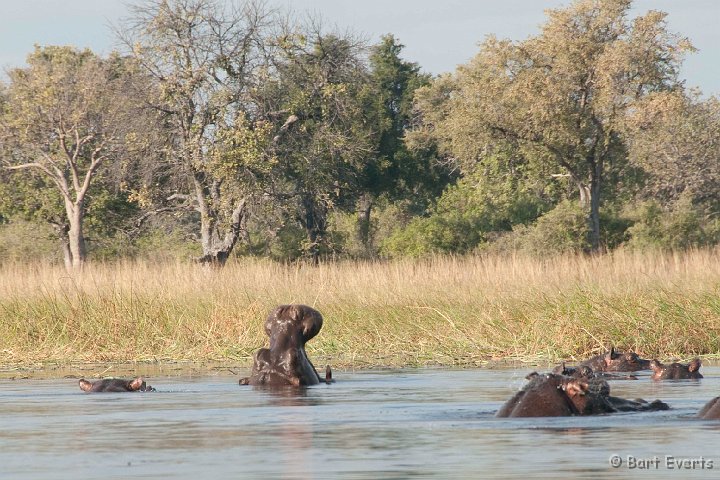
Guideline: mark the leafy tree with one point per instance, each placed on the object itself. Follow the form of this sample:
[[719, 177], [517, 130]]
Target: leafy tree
[[560, 98], [64, 122], [675, 139], [394, 171], [323, 138]]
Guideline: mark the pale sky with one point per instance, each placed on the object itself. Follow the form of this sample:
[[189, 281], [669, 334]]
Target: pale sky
[[438, 34]]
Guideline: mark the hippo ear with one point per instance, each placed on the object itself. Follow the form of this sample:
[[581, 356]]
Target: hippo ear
[[655, 365], [531, 375], [85, 386], [135, 384], [694, 365]]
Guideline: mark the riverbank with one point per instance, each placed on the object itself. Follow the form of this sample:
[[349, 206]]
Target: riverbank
[[441, 311]]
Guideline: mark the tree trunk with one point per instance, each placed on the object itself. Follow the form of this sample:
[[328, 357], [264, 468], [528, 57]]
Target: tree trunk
[[62, 233], [585, 195], [594, 219], [313, 220], [75, 234], [216, 251], [365, 205]]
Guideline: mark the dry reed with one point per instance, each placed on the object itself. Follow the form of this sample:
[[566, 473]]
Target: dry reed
[[443, 310]]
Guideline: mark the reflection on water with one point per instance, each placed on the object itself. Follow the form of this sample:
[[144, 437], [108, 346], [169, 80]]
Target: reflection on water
[[380, 424]]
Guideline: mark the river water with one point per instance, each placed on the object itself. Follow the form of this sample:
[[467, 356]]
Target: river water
[[429, 423]]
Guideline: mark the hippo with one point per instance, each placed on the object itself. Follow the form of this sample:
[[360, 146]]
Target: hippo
[[285, 363], [546, 395], [553, 395], [676, 371], [613, 361], [586, 372], [137, 384], [711, 410]]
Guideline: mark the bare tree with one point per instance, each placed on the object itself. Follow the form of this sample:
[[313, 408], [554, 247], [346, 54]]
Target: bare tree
[[62, 119], [205, 58]]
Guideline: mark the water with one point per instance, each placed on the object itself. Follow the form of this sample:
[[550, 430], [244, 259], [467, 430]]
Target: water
[[373, 424]]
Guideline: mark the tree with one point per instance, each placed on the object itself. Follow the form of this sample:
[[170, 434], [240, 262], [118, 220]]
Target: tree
[[205, 58], [560, 98], [323, 137], [394, 171], [64, 121], [675, 139]]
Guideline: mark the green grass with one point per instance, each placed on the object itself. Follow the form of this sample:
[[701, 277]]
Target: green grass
[[446, 310]]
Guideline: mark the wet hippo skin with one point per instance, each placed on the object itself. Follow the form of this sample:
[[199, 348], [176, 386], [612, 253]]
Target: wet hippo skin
[[552, 395], [711, 410], [115, 385], [286, 362], [676, 371]]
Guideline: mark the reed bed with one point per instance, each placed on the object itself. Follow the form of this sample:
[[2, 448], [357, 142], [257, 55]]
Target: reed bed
[[443, 310]]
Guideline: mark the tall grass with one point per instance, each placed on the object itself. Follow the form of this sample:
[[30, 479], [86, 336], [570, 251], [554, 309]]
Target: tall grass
[[443, 310]]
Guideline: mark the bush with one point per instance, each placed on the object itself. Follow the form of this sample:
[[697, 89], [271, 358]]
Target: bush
[[466, 216], [679, 226], [562, 230]]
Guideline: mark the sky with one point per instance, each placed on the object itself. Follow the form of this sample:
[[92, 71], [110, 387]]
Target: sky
[[437, 34]]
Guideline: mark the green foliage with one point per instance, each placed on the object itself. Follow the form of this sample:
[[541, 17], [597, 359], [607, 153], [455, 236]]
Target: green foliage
[[23, 241], [284, 244], [682, 226], [560, 231], [471, 212], [558, 99], [306, 143], [325, 138], [563, 230]]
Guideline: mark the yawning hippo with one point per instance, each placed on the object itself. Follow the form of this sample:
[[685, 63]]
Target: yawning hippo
[[285, 362]]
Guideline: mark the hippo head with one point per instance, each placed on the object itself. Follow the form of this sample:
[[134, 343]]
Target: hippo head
[[574, 388], [286, 362], [295, 324], [114, 385], [676, 371], [589, 397], [694, 365], [628, 361]]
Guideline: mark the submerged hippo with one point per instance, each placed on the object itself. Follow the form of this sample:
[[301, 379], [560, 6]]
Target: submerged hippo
[[585, 372], [553, 395], [115, 385], [285, 362], [676, 371], [711, 410], [613, 361]]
